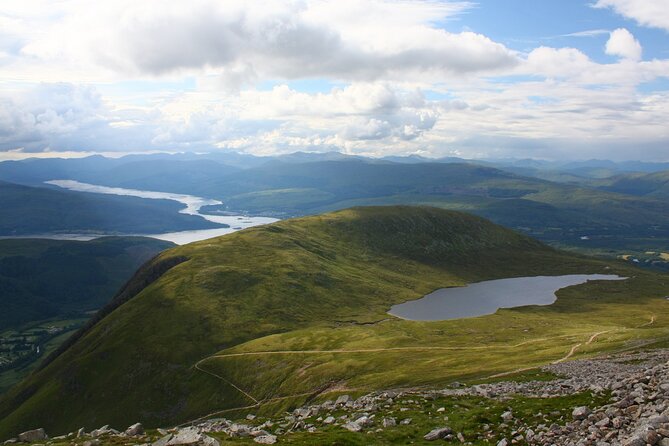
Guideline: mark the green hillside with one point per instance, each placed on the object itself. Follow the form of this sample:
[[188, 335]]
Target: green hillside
[[313, 285], [36, 210]]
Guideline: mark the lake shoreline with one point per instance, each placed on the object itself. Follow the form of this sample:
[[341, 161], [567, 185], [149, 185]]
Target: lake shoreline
[[486, 297], [192, 205]]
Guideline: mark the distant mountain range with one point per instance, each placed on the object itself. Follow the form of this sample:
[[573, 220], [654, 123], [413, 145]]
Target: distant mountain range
[[584, 204]]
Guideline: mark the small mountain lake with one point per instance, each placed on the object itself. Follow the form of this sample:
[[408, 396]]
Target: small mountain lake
[[478, 299]]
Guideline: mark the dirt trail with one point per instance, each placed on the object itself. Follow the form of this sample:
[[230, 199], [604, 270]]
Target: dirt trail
[[197, 367], [594, 336], [653, 318], [569, 355]]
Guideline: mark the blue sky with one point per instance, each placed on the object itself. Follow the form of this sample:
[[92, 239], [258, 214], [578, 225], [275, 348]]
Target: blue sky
[[543, 79]]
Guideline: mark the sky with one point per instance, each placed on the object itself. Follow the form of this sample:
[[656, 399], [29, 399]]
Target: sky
[[549, 79]]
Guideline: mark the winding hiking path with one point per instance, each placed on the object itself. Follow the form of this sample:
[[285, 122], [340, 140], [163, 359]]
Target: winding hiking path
[[258, 403], [198, 367]]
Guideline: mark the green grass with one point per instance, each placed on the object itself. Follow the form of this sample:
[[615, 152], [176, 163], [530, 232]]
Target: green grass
[[320, 283]]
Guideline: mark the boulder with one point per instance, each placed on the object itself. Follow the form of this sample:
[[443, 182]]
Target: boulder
[[581, 413], [342, 399], [187, 436], [438, 433], [265, 439], [134, 430], [353, 427], [209, 441], [388, 422], [33, 436], [329, 420]]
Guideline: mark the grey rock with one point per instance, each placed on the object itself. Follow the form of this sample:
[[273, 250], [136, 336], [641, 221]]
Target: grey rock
[[581, 413], [353, 427], [388, 422], [329, 420], [134, 430], [438, 433], [634, 441], [33, 435], [503, 442], [187, 436], [266, 439], [342, 399]]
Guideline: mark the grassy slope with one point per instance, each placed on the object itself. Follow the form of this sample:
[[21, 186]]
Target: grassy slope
[[42, 279], [35, 210], [314, 274]]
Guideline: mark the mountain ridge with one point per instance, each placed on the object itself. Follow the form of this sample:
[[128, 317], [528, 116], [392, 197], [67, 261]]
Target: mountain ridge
[[318, 271]]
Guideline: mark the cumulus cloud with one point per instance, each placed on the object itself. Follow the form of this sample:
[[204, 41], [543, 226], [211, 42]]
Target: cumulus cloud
[[380, 39], [389, 79], [652, 13], [62, 117], [623, 44]]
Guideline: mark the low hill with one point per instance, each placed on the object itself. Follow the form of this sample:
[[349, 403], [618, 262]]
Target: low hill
[[313, 284], [35, 210]]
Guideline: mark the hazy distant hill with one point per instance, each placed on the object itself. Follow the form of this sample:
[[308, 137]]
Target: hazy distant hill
[[654, 185], [36, 210], [548, 210], [556, 202]]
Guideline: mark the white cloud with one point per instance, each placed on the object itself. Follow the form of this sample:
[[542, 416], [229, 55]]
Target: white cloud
[[62, 117], [623, 44], [208, 74], [652, 13], [242, 41]]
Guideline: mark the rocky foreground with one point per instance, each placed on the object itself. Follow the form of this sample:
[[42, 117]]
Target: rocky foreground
[[631, 392]]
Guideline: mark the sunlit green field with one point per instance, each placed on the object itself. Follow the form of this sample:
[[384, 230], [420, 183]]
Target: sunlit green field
[[592, 318]]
